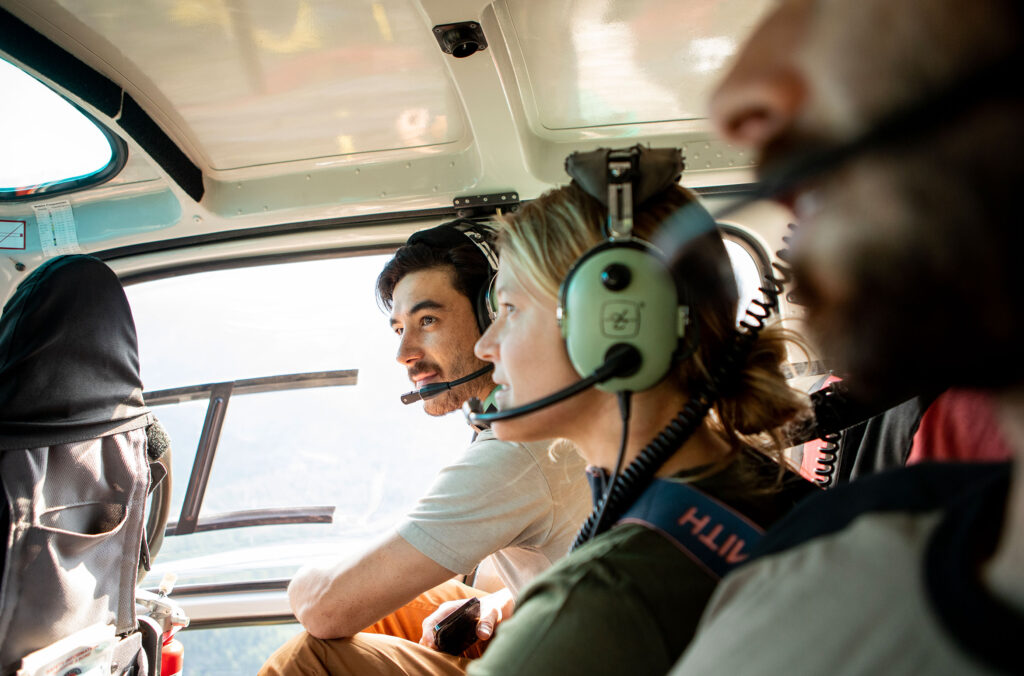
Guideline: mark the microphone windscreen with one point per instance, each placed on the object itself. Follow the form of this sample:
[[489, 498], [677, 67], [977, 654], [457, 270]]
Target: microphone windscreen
[[157, 441], [411, 397]]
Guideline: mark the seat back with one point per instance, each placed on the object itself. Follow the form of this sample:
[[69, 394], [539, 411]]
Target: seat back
[[73, 464]]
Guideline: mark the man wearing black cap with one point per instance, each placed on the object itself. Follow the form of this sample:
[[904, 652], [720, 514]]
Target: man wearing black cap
[[520, 504]]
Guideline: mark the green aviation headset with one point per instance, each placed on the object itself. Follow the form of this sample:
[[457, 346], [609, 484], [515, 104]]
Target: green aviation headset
[[621, 293], [622, 313]]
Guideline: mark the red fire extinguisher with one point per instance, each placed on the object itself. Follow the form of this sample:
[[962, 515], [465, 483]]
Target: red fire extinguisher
[[172, 657]]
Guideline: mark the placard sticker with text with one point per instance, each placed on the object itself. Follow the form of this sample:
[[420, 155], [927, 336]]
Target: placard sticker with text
[[57, 232]]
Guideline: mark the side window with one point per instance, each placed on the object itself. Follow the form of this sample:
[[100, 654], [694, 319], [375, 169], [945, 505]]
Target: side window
[[323, 464], [747, 272], [49, 145]]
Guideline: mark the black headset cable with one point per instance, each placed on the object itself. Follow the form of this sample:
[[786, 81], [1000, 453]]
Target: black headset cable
[[625, 400]]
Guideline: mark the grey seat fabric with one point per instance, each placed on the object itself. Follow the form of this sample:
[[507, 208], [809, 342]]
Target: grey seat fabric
[[73, 464]]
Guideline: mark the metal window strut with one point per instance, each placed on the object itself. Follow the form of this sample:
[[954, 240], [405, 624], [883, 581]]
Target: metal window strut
[[219, 394]]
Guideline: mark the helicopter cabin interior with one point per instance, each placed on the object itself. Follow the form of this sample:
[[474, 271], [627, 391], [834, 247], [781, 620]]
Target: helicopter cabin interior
[[247, 166]]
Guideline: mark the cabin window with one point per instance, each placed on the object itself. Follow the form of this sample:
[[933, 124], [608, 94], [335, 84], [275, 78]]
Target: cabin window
[[747, 273], [350, 447], [48, 145]]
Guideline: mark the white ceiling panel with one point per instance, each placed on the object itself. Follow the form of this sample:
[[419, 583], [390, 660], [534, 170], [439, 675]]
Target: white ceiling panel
[[265, 81], [596, 63]]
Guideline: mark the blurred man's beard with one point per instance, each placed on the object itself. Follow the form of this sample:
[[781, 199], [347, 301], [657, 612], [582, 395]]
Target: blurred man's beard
[[904, 293], [794, 150], [869, 293]]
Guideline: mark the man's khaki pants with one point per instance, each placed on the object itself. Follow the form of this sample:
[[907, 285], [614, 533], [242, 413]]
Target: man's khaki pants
[[390, 646]]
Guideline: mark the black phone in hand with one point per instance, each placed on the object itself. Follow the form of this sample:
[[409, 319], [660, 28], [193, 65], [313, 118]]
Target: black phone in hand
[[457, 632]]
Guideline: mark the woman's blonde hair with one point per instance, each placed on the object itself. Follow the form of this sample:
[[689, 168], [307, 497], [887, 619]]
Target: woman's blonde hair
[[541, 241]]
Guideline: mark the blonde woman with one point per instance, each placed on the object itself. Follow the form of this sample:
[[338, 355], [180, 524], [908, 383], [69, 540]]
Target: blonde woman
[[628, 600]]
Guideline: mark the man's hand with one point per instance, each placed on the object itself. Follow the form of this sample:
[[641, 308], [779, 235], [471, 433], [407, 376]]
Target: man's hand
[[493, 609]]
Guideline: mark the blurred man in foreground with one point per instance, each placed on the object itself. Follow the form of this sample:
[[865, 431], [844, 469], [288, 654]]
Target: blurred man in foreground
[[894, 131]]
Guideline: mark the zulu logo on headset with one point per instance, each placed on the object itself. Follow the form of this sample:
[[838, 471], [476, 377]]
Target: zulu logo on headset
[[620, 319]]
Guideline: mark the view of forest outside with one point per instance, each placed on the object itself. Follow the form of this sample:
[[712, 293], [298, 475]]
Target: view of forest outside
[[353, 447], [233, 651]]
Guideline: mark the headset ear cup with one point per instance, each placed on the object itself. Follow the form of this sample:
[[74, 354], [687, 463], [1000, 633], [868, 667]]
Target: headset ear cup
[[482, 238], [621, 293], [482, 307]]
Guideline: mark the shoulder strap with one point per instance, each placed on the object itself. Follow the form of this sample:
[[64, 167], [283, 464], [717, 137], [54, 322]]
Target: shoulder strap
[[713, 534]]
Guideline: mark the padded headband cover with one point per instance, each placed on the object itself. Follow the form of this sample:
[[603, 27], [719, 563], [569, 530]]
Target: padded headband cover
[[454, 234], [655, 169], [458, 233]]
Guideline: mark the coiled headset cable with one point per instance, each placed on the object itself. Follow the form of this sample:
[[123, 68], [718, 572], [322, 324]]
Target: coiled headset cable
[[828, 459]]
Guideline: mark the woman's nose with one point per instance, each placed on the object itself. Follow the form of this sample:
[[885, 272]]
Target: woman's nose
[[485, 347]]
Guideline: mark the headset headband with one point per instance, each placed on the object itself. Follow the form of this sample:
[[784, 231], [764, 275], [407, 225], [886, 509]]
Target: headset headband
[[454, 234], [899, 128], [624, 179]]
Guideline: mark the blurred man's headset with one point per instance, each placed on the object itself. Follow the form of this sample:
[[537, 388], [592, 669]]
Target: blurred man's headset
[[905, 126], [620, 310], [449, 236]]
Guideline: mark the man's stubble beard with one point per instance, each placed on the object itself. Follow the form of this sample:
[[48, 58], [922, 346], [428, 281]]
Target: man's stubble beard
[[443, 404], [454, 398]]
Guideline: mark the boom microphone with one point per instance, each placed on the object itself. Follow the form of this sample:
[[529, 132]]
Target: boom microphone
[[621, 360], [434, 389]]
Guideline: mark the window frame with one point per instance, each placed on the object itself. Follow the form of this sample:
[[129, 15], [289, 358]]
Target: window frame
[[219, 395]]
